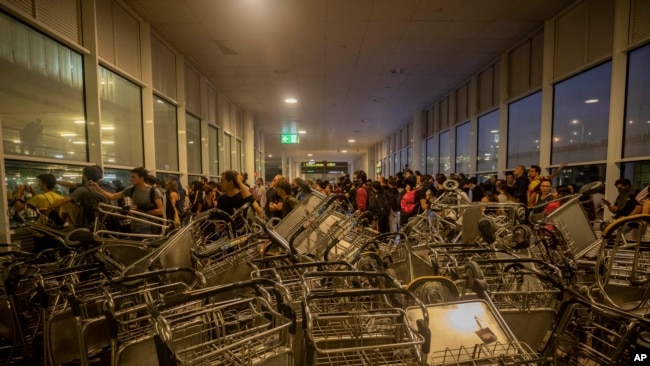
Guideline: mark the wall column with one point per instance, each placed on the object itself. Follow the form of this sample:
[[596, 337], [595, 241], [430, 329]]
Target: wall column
[[249, 144]]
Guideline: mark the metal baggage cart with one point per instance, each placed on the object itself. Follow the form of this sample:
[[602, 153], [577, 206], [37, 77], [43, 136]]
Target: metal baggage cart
[[242, 330], [345, 325]]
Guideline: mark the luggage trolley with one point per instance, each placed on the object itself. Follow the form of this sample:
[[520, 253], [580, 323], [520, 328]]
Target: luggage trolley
[[242, 330], [354, 318]]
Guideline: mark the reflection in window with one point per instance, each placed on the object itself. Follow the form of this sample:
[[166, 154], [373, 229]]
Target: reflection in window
[[638, 172], [462, 148], [403, 159], [213, 150], [193, 139], [524, 122], [581, 116], [122, 176], [637, 106], [165, 134], [444, 164], [121, 120], [488, 142], [24, 173], [396, 167], [430, 153], [42, 103], [409, 158]]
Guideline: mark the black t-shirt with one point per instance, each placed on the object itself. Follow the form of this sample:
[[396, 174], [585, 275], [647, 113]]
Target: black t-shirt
[[629, 206], [229, 204]]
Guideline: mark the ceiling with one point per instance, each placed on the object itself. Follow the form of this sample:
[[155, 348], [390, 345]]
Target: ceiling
[[339, 59]]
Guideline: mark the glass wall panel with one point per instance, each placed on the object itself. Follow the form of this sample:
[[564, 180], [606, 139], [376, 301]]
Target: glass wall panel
[[403, 160], [409, 158], [214, 150], [227, 152], [524, 126], [638, 172], [121, 177], [637, 107], [579, 175], [193, 140], [41, 95], [238, 158], [581, 116], [121, 120], [463, 148], [166, 135], [396, 166], [444, 145], [430, 153], [488, 142]]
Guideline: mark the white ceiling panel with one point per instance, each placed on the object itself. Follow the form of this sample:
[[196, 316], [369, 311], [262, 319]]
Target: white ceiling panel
[[336, 57]]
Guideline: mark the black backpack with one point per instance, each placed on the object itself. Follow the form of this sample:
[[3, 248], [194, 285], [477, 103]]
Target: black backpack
[[378, 203]]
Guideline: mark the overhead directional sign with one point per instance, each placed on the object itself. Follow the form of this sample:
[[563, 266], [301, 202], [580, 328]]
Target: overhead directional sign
[[290, 138]]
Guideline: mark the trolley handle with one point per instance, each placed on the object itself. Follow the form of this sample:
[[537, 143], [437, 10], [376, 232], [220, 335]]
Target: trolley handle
[[348, 266], [236, 242], [352, 273], [282, 295], [135, 279]]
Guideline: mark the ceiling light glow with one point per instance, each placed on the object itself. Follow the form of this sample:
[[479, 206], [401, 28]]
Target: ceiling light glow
[[291, 100], [494, 131], [310, 154], [302, 132], [344, 151], [351, 140], [591, 101]]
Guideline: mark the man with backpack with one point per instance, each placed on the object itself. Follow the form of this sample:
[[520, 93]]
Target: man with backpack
[[411, 202], [145, 198], [379, 206]]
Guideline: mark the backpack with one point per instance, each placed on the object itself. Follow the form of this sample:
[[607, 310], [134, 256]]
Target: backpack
[[408, 204], [88, 205], [174, 212], [378, 203], [392, 195]]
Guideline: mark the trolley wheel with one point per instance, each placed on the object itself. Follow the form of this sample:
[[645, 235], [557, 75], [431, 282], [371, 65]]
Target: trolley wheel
[[434, 289], [473, 274]]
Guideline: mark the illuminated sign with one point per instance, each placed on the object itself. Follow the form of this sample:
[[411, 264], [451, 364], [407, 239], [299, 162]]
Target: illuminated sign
[[290, 138], [321, 167]]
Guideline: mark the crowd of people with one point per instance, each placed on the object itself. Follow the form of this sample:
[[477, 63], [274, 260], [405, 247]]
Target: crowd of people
[[390, 202]]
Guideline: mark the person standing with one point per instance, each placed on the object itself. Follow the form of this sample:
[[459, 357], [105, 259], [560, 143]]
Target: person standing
[[535, 179], [520, 187], [626, 202], [41, 202], [260, 191]]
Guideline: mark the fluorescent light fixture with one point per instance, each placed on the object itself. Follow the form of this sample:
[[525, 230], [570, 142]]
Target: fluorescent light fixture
[[80, 122], [310, 154], [111, 160], [590, 101], [302, 132], [351, 140], [291, 100], [160, 101], [108, 128], [16, 141], [190, 142], [344, 151], [68, 134], [311, 160], [108, 142], [494, 131], [58, 156], [79, 142]]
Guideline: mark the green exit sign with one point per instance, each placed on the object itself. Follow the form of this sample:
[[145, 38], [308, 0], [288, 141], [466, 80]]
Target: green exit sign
[[289, 138]]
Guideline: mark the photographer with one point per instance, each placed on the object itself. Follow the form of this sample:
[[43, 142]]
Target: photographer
[[145, 198]]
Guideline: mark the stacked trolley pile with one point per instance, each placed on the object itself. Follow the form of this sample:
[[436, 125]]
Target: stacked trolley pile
[[471, 284]]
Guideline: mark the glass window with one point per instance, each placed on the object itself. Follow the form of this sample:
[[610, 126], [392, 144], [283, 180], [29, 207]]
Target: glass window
[[213, 150], [581, 116], [409, 158], [403, 159], [166, 135], [121, 175], [121, 124], [638, 172], [637, 105], [444, 163], [396, 166], [238, 156], [431, 160], [193, 137], [463, 133], [524, 126], [41, 95], [226, 152], [579, 175], [488, 142]]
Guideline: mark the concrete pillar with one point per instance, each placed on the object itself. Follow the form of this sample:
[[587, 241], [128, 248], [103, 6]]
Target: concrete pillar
[[180, 117], [249, 144]]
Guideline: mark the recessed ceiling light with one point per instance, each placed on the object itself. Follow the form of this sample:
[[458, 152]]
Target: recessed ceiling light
[[68, 134], [108, 142], [310, 154], [291, 100], [311, 160], [631, 121], [351, 140], [344, 151], [270, 156], [80, 122], [589, 101], [302, 132], [79, 142], [494, 131], [575, 121], [108, 128]]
